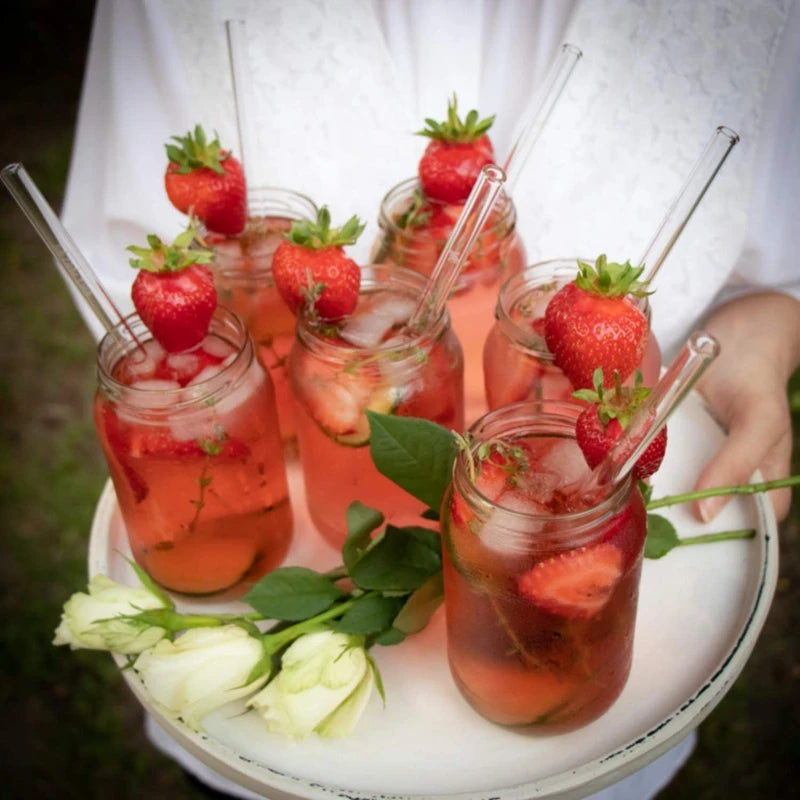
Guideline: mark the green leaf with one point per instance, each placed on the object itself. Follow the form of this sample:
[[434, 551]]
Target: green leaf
[[390, 637], [421, 605], [370, 614], [292, 594], [416, 454], [401, 560], [661, 537], [361, 521]]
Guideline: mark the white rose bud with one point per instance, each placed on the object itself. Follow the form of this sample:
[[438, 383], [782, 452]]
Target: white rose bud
[[324, 684], [203, 669], [101, 620]]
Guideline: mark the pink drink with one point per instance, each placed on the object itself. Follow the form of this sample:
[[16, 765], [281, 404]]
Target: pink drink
[[193, 448], [414, 236], [517, 365], [368, 361], [242, 270], [540, 592]]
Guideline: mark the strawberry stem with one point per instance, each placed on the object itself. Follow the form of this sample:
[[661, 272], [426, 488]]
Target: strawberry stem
[[700, 494], [719, 536]]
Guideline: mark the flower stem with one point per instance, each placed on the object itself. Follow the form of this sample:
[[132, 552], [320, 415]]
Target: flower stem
[[720, 536], [747, 488]]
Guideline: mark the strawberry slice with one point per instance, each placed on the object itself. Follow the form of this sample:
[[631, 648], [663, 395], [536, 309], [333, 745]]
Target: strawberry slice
[[576, 584]]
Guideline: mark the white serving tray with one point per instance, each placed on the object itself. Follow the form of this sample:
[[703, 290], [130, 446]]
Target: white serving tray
[[701, 610]]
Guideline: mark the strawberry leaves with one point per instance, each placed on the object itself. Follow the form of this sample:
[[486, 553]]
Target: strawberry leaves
[[453, 129]]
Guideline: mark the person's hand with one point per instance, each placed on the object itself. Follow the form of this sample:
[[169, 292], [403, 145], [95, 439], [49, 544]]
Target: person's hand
[[746, 387]]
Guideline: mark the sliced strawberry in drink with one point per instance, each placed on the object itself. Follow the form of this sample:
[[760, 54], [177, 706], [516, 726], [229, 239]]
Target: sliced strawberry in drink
[[576, 584], [162, 444]]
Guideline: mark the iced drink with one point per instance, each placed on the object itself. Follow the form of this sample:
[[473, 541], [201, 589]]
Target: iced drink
[[368, 361], [517, 365], [195, 456], [242, 268], [413, 234], [540, 591]]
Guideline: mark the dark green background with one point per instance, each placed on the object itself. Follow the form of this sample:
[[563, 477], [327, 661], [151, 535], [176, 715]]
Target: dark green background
[[69, 727]]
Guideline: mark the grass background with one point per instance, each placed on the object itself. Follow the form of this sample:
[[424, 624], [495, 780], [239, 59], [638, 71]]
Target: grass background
[[69, 727]]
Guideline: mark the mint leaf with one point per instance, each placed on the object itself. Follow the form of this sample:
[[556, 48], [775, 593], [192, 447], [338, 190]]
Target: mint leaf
[[369, 614], [293, 594], [416, 454], [401, 560], [661, 537], [421, 605], [361, 521]]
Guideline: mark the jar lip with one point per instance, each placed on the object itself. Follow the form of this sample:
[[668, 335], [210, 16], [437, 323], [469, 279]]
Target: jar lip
[[376, 278], [536, 275], [113, 347], [407, 187], [519, 416]]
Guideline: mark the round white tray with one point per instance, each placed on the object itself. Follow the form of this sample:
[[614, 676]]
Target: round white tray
[[701, 609]]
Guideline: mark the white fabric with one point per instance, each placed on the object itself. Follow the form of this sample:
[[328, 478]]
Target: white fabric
[[340, 86]]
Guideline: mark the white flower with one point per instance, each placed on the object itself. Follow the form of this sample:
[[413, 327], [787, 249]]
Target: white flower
[[202, 669], [101, 620], [324, 684]]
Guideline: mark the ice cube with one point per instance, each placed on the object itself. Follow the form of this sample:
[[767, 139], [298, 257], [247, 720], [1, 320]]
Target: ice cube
[[375, 318], [505, 534], [143, 362], [156, 385], [182, 366], [564, 460], [205, 374], [216, 347]]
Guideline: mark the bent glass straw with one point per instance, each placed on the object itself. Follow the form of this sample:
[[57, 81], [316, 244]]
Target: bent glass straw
[[538, 111], [242, 91], [62, 246], [688, 198], [699, 351], [458, 246]]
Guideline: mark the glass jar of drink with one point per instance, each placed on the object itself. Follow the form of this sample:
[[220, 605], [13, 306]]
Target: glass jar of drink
[[195, 456], [517, 365], [540, 588], [242, 268], [413, 234], [369, 361]]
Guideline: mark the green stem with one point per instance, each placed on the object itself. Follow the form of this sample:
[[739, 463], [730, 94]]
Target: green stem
[[748, 488], [721, 536], [275, 641]]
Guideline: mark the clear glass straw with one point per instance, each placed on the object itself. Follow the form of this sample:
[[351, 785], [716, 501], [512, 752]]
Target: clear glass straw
[[57, 239], [677, 381], [683, 206], [538, 111], [242, 93], [458, 246]]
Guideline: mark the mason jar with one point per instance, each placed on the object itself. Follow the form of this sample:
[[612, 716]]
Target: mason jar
[[195, 456], [242, 268], [540, 584], [369, 361], [517, 365]]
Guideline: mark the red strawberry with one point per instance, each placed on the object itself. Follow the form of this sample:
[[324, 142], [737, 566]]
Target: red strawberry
[[204, 180], [592, 322], [174, 293], [311, 269], [454, 157], [610, 413], [161, 444], [576, 584]]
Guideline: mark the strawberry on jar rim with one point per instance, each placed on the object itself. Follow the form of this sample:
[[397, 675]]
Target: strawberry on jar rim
[[311, 269], [608, 415], [456, 154], [594, 322], [204, 180], [174, 292]]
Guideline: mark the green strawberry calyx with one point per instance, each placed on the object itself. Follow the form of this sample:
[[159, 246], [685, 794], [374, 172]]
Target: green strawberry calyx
[[619, 403], [175, 257], [610, 279], [319, 234], [453, 129], [195, 151]]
